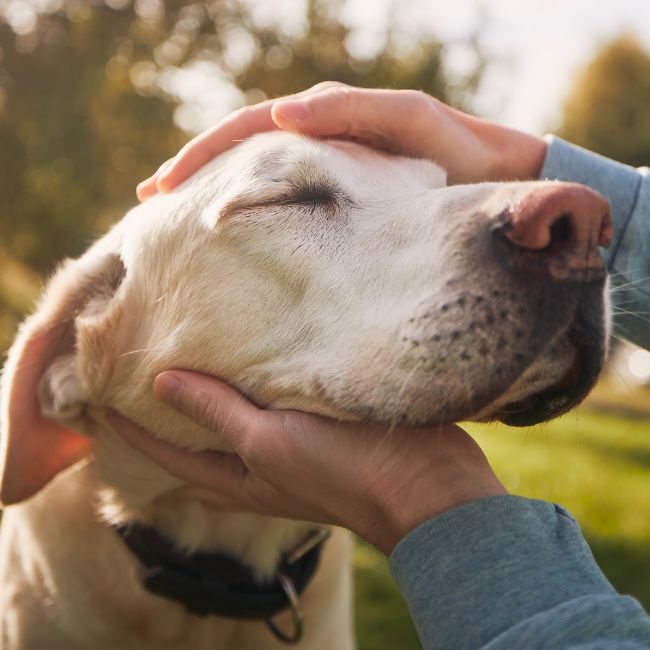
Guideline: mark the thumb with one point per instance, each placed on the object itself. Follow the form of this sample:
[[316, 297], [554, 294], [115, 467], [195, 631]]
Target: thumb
[[254, 434], [211, 403], [211, 469]]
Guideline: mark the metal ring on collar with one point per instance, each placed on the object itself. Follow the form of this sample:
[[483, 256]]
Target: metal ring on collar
[[292, 596]]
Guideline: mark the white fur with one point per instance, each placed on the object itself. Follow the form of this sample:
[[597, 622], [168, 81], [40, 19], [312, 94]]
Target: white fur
[[331, 308]]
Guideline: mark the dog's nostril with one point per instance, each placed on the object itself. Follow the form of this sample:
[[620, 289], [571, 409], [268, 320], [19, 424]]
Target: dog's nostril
[[561, 234]]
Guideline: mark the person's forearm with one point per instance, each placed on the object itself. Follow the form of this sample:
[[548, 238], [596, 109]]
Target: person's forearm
[[628, 258], [507, 572]]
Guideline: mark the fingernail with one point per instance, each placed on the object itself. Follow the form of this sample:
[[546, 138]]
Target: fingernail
[[293, 110], [140, 187], [164, 170], [167, 386]]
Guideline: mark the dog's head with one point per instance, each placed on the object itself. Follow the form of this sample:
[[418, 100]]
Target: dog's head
[[317, 276]]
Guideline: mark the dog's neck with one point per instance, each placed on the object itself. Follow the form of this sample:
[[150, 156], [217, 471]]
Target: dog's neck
[[192, 518], [129, 487]]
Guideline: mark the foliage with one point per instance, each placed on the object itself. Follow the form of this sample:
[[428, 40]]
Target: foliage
[[87, 106], [19, 289], [381, 617], [608, 109], [73, 139]]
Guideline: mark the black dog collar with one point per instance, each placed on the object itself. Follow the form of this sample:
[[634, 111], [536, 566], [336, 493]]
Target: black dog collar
[[215, 583]]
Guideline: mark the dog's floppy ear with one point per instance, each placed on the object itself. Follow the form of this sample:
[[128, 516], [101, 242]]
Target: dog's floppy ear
[[42, 388]]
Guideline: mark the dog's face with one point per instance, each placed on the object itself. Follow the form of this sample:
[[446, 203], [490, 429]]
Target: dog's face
[[330, 278]]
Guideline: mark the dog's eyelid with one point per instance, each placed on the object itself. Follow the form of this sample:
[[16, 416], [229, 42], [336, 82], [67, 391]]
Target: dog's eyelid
[[313, 195]]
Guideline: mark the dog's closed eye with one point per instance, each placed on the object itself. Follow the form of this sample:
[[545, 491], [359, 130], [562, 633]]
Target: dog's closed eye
[[315, 196], [312, 195]]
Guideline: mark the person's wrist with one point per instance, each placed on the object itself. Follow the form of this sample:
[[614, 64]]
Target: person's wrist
[[510, 154], [516, 155], [491, 152], [394, 513], [400, 522]]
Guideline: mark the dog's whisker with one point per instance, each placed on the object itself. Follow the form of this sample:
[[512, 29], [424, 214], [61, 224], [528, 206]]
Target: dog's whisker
[[627, 301], [620, 375], [635, 314], [159, 346], [629, 312], [620, 339], [394, 420], [627, 285], [138, 351]]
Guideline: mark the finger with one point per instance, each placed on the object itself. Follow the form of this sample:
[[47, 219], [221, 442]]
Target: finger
[[256, 435], [228, 132], [147, 187], [211, 469], [214, 405], [202, 149], [373, 116]]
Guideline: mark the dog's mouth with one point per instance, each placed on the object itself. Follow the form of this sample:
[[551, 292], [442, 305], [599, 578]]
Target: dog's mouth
[[563, 394], [545, 404]]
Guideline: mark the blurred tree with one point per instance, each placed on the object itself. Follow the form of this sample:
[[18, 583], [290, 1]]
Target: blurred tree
[[86, 110], [609, 108], [74, 135]]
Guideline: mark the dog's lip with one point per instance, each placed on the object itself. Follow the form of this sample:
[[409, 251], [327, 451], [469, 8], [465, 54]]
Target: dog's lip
[[557, 398], [539, 405]]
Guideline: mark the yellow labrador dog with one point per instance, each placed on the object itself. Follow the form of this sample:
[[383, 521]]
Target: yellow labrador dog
[[316, 276]]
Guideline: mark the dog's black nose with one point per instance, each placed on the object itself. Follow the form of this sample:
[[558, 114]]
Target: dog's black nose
[[561, 223]]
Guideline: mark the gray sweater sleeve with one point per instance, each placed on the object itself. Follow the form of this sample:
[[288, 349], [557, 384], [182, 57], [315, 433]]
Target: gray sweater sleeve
[[628, 258], [505, 573]]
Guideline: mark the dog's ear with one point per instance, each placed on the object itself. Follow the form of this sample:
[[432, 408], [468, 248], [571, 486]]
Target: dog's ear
[[43, 391]]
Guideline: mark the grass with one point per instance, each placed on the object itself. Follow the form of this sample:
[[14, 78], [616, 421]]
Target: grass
[[382, 620], [595, 464]]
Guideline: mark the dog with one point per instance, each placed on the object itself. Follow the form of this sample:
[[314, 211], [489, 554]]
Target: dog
[[320, 276]]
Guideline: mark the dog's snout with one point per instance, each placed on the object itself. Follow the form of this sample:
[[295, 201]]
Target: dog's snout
[[562, 222]]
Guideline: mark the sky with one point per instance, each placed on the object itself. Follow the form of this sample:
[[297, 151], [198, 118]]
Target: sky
[[537, 46], [541, 44]]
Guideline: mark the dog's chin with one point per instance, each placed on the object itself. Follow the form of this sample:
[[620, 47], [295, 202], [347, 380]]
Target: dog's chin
[[558, 396], [542, 405]]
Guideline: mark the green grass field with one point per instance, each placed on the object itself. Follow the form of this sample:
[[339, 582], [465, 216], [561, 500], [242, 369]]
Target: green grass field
[[595, 464]]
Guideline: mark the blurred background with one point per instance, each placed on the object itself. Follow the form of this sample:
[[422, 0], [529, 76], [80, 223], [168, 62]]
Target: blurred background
[[95, 94]]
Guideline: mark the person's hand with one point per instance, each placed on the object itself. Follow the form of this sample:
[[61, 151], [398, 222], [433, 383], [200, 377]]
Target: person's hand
[[378, 481], [406, 122]]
